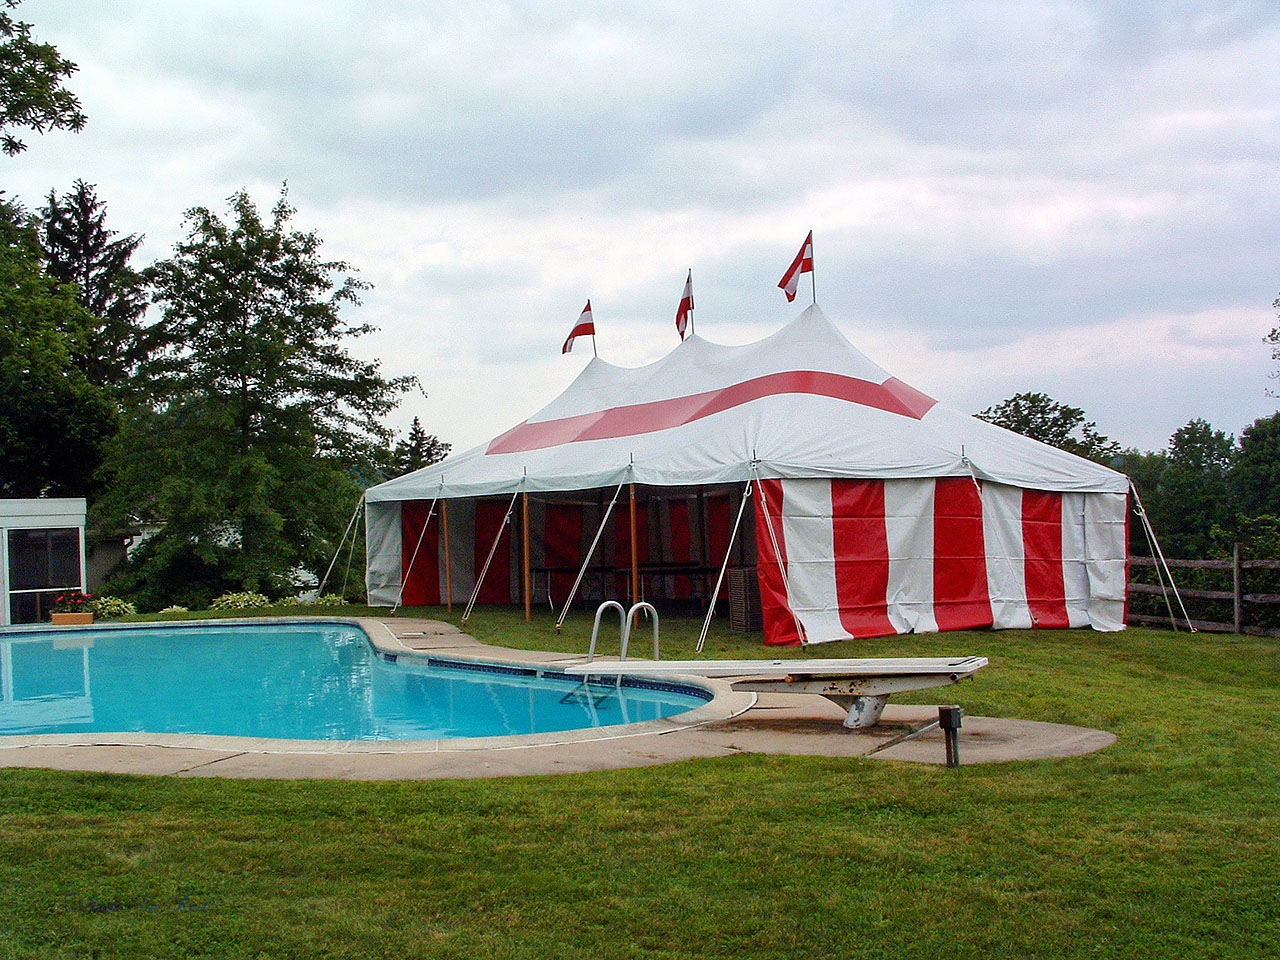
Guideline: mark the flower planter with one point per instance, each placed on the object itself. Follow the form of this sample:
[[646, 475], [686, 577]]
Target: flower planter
[[71, 619]]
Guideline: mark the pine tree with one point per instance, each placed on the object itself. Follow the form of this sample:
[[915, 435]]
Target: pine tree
[[417, 450], [53, 422], [258, 420], [80, 249]]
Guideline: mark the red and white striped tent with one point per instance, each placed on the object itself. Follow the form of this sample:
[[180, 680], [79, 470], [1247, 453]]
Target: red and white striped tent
[[876, 510]]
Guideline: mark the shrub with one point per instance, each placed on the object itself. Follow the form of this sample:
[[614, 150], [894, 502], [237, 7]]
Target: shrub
[[287, 602], [245, 600], [111, 608], [176, 608], [331, 600]]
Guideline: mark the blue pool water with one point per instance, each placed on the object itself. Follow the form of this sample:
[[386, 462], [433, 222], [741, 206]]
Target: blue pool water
[[292, 681]]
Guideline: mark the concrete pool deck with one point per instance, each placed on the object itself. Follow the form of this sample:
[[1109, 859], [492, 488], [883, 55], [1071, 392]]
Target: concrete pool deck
[[734, 722]]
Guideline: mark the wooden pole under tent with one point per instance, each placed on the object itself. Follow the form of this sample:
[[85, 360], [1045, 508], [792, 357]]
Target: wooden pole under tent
[[635, 555], [448, 568], [528, 593]]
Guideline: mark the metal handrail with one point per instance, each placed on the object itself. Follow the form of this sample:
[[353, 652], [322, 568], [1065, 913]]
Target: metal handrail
[[626, 628], [595, 629]]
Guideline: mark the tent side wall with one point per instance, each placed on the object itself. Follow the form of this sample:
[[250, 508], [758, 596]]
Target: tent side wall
[[844, 559], [382, 542], [681, 539]]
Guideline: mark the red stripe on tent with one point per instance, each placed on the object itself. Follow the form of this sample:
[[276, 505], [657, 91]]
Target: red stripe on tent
[[961, 598], [562, 541], [1042, 545], [861, 548], [893, 396], [779, 624], [422, 573], [490, 515], [681, 546], [1125, 616]]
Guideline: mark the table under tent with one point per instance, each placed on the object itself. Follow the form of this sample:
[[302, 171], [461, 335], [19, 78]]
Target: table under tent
[[857, 505]]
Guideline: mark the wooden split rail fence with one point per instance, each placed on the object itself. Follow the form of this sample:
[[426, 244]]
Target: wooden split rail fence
[[1240, 600]]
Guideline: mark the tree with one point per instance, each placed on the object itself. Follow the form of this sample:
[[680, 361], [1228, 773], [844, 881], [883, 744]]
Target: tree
[[1042, 418], [1273, 338], [1255, 469], [31, 93], [417, 450], [257, 419], [1145, 471], [1194, 495], [53, 422], [79, 248]]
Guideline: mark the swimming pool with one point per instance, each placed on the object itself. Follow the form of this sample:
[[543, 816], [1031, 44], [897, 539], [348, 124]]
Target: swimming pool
[[296, 681]]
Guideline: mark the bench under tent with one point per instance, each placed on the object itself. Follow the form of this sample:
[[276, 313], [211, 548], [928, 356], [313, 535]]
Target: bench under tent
[[858, 505]]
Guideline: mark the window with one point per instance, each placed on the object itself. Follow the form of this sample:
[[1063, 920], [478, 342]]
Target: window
[[42, 564]]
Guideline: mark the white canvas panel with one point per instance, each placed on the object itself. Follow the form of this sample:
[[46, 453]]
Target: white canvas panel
[[1006, 573], [810, 550], [382, 552], [1075, 576], [908, 518], [1105, 552]]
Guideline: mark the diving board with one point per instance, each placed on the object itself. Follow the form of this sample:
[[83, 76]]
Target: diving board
[[861, 686]]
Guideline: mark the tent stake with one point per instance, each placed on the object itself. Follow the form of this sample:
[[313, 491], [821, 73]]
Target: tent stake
[[1159, 554], [587, 559], [337, 553], [475, 593], [405, 579], [711, 607]]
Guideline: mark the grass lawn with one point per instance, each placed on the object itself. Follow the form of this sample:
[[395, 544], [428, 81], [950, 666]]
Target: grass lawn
[[1165, 845]]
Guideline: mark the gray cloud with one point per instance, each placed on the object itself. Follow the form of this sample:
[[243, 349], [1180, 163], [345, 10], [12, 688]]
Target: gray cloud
[[981, 177]]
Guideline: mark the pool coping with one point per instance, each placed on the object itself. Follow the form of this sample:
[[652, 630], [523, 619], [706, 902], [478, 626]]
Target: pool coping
[[725, 703]]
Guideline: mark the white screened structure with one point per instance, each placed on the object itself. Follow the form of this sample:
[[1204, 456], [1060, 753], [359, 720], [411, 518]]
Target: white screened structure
[[41, 555]]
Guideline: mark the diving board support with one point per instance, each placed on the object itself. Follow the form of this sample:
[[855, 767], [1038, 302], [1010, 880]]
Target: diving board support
[[863, 711], [860, 686]]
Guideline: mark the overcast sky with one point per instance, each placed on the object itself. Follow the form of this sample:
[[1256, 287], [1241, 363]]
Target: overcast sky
[[1077, 198]]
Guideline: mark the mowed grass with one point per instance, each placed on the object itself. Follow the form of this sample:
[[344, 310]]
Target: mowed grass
[[1164, 845]]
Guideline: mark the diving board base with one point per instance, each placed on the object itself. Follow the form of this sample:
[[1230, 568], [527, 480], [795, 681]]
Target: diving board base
[[860, 686]]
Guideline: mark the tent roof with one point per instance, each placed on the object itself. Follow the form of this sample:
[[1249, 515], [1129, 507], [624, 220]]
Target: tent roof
[[803, 402]]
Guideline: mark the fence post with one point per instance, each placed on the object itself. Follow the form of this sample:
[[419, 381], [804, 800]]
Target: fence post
[[1237, 588]]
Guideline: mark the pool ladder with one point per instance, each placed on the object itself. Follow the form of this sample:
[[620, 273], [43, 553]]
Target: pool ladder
[[626, 619]]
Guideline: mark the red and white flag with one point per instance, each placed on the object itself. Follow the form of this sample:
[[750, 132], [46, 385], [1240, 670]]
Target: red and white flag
[[685, 311], [803, 263], [584, 327]]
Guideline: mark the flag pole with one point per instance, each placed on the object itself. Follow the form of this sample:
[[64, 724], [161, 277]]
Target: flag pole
[[593, 344], [691, 309], [813, 282]]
